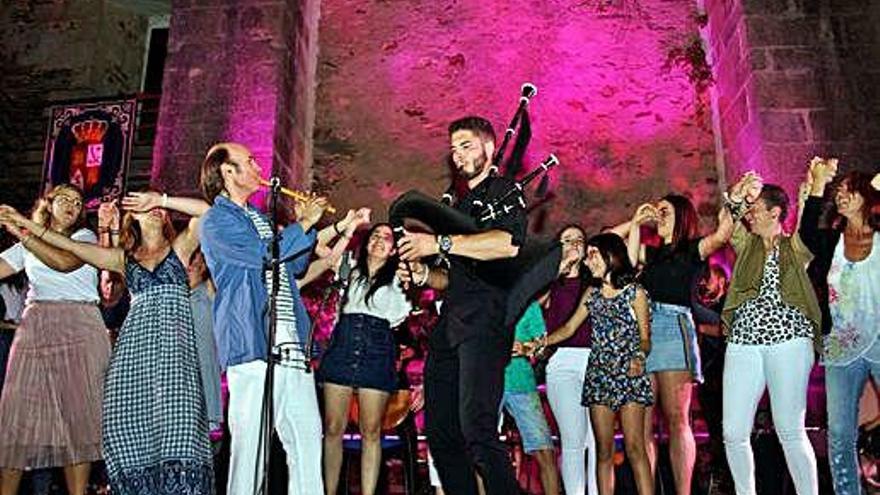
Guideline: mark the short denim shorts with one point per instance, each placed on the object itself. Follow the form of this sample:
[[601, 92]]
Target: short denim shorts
[[674, 341], [528, 413]]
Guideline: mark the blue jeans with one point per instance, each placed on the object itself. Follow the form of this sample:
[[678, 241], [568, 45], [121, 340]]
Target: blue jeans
[[844, 386]]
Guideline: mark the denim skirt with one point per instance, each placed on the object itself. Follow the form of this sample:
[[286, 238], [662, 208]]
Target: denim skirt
[[361, 354], [674, 341]]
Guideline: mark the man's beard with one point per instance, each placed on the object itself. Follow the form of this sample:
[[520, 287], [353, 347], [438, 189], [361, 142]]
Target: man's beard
[[479, 166]]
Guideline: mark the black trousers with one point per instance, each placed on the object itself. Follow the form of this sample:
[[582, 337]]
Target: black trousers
[[464, 384]]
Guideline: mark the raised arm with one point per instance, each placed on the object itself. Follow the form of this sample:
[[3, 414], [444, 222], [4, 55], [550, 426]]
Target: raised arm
[[108, 224], [820, 174], [187, 241], [357, 218], [53, 257], [146, 201], [105, 258], [634, 248], [717, 239], [330, 260], [738, 201]]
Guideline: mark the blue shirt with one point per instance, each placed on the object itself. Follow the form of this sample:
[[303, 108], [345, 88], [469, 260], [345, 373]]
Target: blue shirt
[[237, 258]]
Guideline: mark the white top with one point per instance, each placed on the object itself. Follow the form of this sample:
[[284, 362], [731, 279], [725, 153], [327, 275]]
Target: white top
[[46, 284], [853, 292], [388, 302]]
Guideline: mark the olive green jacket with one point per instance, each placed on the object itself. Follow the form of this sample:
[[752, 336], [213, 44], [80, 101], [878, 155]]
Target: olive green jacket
[[794, 284]]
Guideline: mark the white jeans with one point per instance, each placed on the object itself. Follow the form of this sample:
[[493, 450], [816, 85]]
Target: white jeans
[[565, 385], [784, 369], [297, 421]]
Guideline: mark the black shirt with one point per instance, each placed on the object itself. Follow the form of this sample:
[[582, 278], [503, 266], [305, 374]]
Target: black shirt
[[669, 275], [477, 292]]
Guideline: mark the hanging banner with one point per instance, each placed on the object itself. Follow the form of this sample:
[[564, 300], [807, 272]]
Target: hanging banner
[[89, 145]]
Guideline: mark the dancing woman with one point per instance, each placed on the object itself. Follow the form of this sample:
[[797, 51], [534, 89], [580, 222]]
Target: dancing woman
[[361, 357], [772, 317], [155, 425], [616, 380], [848, 261], [50, 409], [565, 371], [668, 274]]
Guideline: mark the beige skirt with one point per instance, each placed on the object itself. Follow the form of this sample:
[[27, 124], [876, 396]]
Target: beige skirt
[[50, 407]]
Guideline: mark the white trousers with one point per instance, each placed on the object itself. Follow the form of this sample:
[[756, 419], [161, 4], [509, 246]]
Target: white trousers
[[784, 369], [297, 421], [565, 385]]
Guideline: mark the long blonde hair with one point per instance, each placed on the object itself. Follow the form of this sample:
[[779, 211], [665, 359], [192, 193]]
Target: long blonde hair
[[42, 211]]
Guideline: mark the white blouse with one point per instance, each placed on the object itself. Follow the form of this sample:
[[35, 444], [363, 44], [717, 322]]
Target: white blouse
[[388, 302], [46, 284]]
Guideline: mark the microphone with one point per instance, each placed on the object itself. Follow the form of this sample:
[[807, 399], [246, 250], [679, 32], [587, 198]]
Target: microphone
[[344, 273]]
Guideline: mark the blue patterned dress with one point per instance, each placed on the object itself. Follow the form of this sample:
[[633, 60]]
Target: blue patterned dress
[[155, 423], [615, 342]]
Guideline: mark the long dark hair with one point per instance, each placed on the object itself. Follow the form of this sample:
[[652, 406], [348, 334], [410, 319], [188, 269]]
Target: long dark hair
[[385, 275], [860, 182], [613, 251], [686, 222], [131, 237]]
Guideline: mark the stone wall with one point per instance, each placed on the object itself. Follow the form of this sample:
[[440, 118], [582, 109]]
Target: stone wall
[[237, 71], [58, 50], [615, 101], [796, 78]]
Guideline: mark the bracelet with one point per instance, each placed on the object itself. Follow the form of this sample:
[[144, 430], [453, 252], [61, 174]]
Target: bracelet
[[114, 231], [103, 230], [736, 208], [640, 355], [336, 229], [43, 233], [164, 200]]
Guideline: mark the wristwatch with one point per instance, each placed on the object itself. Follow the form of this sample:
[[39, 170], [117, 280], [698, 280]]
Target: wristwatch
[[444, 243]]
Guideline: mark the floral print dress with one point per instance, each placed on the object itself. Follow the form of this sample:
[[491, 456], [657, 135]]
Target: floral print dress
[[615, 341]]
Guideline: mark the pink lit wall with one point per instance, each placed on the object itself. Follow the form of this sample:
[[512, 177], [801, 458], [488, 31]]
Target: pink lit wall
[[627, 125]]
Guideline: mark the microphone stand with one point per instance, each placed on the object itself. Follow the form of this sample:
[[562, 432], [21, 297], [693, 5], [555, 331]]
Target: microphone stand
[[267, 416]]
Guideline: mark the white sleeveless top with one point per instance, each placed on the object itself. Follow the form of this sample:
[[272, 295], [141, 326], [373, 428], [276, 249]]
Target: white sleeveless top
[[854, 300]]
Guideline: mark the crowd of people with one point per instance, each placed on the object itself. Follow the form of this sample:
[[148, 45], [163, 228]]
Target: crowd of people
[[117, 351]]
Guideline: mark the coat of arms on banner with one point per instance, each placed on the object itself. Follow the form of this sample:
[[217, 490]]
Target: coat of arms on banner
[[89, 145]]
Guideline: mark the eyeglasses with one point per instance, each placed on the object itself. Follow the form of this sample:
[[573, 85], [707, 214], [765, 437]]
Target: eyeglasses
[[75, 202]]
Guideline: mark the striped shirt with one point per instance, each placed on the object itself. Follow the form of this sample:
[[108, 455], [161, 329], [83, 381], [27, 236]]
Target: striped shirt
[[285, 297]]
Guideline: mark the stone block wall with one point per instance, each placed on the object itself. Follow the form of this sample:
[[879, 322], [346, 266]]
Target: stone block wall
[[615, 105], [237, 71], [58, 50], [796, 78]]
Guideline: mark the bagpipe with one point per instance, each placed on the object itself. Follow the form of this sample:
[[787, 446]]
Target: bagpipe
[[537, 263]]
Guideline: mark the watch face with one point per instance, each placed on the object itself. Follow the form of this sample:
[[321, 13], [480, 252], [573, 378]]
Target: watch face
[[445, 243]]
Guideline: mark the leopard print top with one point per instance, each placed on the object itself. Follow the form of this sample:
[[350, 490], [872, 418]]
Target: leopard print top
[[766, 320]]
